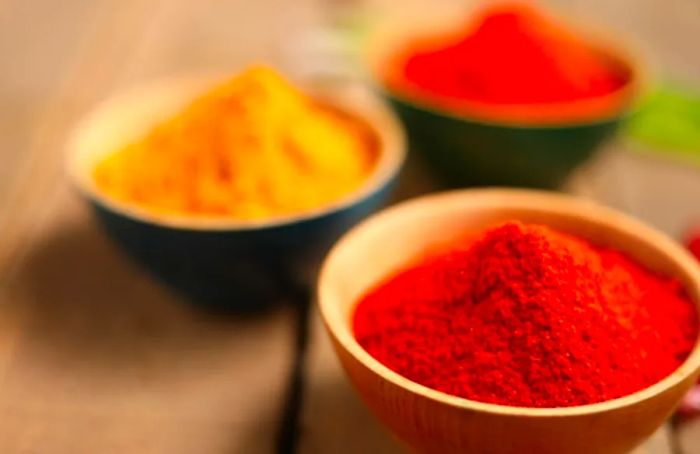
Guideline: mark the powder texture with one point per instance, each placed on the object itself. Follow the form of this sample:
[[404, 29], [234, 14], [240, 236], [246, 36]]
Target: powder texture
[[523, 315], [510, 53], [253, 147]]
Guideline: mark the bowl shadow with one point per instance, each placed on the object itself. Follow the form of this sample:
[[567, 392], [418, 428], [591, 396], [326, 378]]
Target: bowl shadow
[[336, 420], [98, 338], [85, 304]]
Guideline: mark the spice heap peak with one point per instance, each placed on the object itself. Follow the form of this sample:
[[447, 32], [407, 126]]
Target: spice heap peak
[[507, 53], [253, 147], [524, 315]]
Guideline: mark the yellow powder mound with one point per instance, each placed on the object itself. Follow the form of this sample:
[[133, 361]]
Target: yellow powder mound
[[254, 147]]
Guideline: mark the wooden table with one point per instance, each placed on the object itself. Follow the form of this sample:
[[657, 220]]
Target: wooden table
[[95, 357]]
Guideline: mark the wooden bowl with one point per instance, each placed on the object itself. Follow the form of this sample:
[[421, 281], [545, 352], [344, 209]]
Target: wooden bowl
[[222, 263], [433, 422]]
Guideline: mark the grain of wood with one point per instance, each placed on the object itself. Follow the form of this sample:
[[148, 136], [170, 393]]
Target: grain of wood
[[106, 360], [112, 35], [95, 357], [38, 56], [689, 437]]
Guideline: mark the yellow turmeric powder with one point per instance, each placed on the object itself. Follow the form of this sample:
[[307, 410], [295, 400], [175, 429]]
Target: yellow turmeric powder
[[253, 147]]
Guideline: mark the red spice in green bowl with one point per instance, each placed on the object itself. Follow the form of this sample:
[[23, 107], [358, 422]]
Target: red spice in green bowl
[[511, 321], [511, 97]]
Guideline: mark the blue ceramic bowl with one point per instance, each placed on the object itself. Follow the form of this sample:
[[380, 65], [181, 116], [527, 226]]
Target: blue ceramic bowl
[[221, 263]]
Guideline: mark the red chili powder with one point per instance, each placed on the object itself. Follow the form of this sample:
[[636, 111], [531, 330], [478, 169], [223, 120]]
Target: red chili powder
[[510, 54], [523, 315]]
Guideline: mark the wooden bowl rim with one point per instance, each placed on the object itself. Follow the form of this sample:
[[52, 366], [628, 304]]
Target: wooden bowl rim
[[363, 105], [535, 201], [381, 47]]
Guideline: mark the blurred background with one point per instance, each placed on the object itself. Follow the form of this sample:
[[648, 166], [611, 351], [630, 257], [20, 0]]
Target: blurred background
[[62, 58], [95, 357]]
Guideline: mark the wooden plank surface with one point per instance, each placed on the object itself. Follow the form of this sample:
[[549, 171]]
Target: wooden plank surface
[[97, 358], [689, 437], [109, 36]]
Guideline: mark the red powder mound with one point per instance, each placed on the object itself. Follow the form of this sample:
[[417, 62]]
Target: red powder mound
[[527, 316], [511, 54]]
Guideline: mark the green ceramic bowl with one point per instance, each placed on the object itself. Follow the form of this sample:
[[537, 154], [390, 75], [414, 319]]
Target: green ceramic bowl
[[508, 145], [467, 151]]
